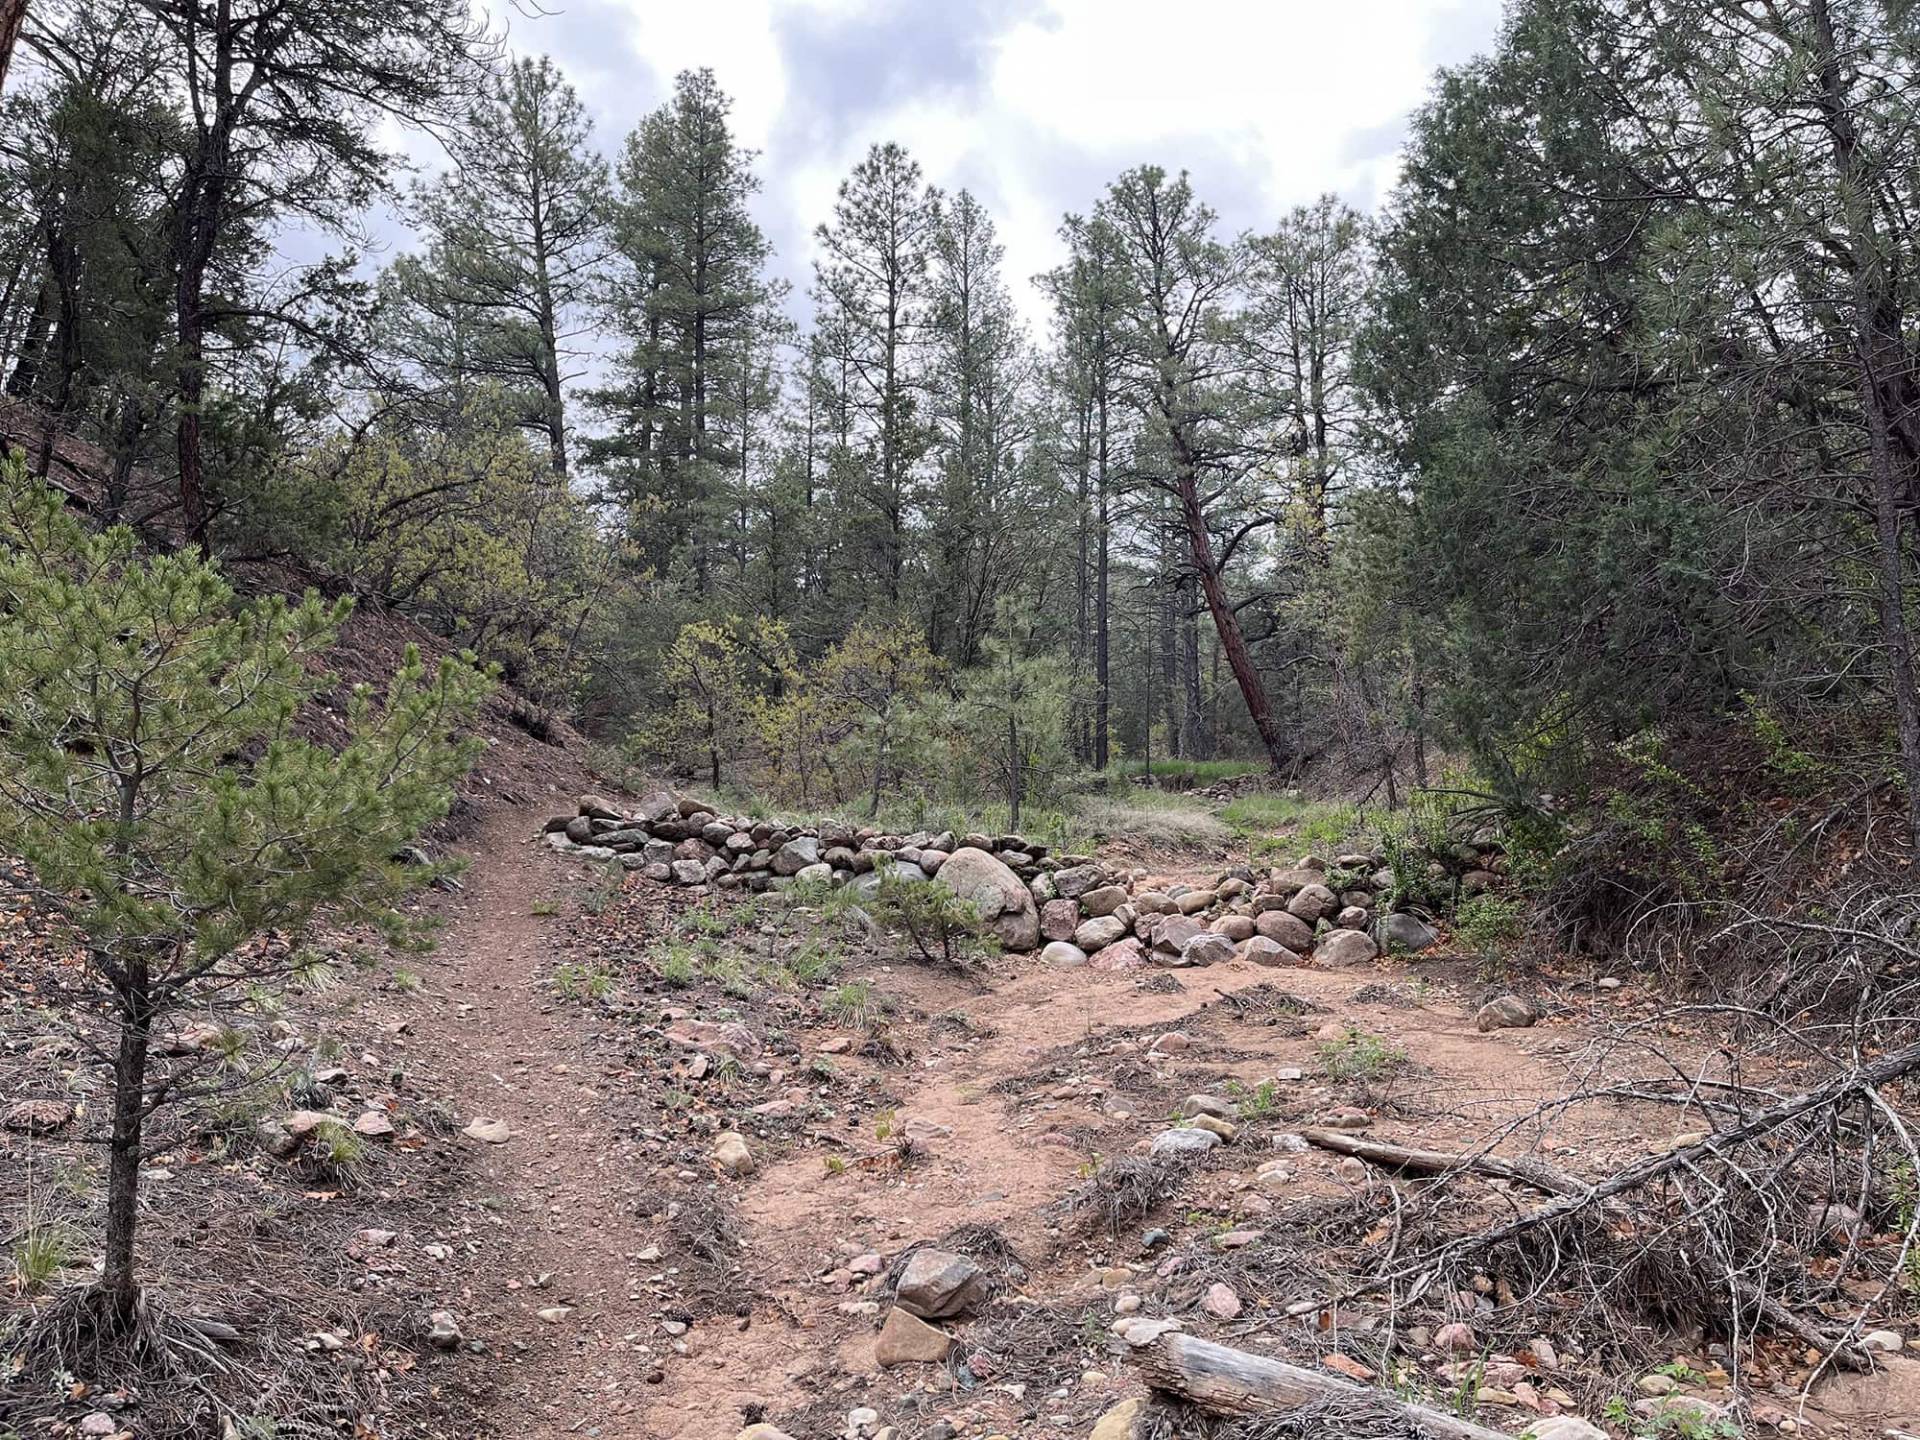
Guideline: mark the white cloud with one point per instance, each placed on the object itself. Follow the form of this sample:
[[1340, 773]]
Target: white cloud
[[1034, 103]]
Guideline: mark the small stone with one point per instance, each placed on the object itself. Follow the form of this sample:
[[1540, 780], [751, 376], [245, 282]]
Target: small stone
[[1225, 1129], [1206, 1105], [1185, 1142], [1656, 1384], [1455, 1339], [1220, 1302], [1886, 1342], [938, 1285], [1120, 1422], [553, 1314], [373, 1125], [1063, 954], [443, 1330], [730, 1152], [488, 1131], [1563, 1427]]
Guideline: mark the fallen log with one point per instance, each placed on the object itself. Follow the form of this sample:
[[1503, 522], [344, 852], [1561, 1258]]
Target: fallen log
[[1536, 1173], [1232, 1382]]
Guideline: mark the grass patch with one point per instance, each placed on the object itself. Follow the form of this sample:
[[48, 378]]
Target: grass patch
[[1358, 1055], [1152, 816], [41, 1250], [582, 982], [1188, 774]]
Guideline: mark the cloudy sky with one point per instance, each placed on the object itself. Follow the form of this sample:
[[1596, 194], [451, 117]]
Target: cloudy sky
[[1032, 104]]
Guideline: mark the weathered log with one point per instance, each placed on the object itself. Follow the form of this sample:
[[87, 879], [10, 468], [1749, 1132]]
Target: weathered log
[[1536, 1173], [1232, 1382]]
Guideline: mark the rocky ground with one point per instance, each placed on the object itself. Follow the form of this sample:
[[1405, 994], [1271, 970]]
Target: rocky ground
[[669, 1160]]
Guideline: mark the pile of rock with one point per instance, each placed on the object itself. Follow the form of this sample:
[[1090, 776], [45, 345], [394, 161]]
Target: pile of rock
[[1083, 911], [682, 842], [1270, 917]]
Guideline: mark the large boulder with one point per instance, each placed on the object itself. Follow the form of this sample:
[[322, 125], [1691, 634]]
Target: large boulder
[[796, 855], [1104, 900], [1206, 949], [1311, 902], [1403, 934], [598, 807], [1005, 903], [1099, 932], [1059, 919], [1076, 880], [1284, 929], [1173, 933], [1340, 948], [1063, 953], [657, 806]]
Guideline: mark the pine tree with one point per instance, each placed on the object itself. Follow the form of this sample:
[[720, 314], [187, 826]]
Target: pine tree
[[982, 514], [698, 321], [517, 230], [871, 298], [1087, 379], [1181, 334], [162, 804]]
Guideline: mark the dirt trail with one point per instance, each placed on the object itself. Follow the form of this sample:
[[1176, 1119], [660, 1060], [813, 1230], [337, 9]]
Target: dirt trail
[[559, 1197]]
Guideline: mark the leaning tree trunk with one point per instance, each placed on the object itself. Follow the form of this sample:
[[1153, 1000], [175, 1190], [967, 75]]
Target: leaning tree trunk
[[1232, 639]]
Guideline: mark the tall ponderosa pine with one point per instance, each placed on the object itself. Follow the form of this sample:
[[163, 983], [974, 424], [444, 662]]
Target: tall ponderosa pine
[[689, 300], [1179, 329], [873, 310], [982, 518], [518, 228], [1087, 380]]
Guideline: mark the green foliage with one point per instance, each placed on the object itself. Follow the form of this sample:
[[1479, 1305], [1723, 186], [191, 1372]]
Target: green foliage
[[154, 783], [943, 928], [41, 1250], [1358, 1055], [575, 981], [1255, 1102], [1489, 924], [856, 1005]]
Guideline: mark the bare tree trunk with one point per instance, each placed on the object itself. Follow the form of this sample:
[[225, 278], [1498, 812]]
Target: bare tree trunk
[[1102, 610], [119, 1281]]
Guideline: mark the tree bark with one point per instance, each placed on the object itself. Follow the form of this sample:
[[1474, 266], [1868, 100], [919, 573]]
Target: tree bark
[[1232, 1382], [1232, 639], [120, 1282], [13, 14]]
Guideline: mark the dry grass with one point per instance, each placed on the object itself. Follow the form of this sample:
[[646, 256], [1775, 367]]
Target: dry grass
[[1121, 1193]]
